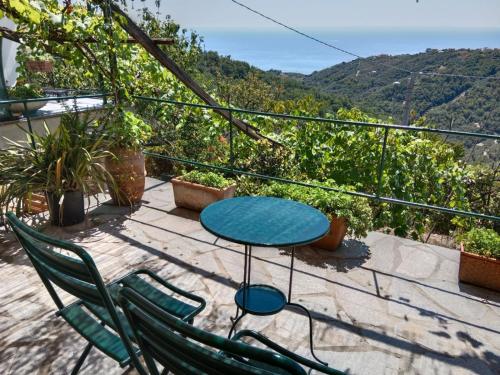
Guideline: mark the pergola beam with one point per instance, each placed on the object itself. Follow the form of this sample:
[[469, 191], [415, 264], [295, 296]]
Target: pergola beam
[[17, 36]]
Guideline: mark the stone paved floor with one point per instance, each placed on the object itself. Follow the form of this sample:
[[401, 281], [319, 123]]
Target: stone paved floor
[[383, 305]]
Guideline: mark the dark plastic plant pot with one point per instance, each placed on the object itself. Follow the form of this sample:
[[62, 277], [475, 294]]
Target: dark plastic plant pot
[[69, 210]]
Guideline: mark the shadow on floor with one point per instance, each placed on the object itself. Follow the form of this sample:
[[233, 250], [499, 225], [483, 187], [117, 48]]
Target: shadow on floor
[[351, 254], [113, 224]]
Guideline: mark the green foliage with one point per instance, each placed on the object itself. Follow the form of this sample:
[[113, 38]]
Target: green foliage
[[263, 157], [483, 189], [418, 167], [333, 204], [482, 241], [25, 91], [68, 159], [466, 104], [209, 179], [251, 88], [124, 129]]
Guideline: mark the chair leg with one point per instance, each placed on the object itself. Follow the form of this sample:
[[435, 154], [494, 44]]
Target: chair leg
[[82, 358]]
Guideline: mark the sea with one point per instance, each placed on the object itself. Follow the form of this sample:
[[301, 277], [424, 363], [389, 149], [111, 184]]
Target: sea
[[289, 52]]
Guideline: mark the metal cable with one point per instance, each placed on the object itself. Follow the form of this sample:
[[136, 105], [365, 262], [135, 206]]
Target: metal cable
[[355, 54]]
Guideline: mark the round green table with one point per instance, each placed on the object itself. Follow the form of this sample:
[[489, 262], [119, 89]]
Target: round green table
[[265, 222]]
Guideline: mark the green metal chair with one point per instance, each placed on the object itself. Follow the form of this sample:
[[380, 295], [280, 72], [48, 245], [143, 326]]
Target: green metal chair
[[184, 349], [95, 309]]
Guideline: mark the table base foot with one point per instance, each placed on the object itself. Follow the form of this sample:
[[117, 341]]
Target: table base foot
[[310, 331], [233, 318], [235, 321]]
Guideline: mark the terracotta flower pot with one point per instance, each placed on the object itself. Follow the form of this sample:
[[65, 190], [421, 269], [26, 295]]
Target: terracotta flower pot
[[196, 197], [338, 230], [41, 66], [479, 270], [129, 172]]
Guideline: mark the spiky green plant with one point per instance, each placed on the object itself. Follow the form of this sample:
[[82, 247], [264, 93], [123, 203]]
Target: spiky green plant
[[67, 159]]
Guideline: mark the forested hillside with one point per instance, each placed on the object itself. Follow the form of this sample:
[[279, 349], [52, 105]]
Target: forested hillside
[[373, 85], [459, 103]]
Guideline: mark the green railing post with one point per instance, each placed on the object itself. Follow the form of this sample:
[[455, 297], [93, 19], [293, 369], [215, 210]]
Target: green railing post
[[380, 174], [102, 88], [231, 140], [28, 119]]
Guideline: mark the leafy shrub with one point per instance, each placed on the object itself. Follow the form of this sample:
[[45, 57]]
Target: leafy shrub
[[355, 210], [125, 130], [25, 91], [482, 241], [265, 158], [210, 179]]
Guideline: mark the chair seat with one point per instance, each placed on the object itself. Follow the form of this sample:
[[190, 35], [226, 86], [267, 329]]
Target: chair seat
[[105, 340], [174, 306], [87, 326]]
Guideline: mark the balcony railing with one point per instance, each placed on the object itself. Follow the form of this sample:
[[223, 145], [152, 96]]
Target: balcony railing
[[327, 121]]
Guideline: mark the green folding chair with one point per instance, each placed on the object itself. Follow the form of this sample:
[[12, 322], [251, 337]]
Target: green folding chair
[[183, 349], [95, 309]]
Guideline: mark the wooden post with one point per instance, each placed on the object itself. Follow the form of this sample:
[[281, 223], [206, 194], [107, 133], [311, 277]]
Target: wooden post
[[145, 41]]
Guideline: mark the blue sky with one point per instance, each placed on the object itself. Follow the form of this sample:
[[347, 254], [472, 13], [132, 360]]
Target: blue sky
[[203, 14]]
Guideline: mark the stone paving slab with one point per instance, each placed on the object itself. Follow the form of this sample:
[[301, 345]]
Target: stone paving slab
[[381, 305]]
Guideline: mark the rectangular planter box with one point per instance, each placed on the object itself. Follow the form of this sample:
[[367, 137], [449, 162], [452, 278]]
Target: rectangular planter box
[[479, 270], [36, 205], [42, 66], [196, 197], [334, 238]]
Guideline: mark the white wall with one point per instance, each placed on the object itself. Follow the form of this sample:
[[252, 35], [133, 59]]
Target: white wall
[[9, 50]]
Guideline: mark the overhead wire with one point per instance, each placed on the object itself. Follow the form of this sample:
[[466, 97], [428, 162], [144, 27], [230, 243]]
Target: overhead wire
[[313, 38]]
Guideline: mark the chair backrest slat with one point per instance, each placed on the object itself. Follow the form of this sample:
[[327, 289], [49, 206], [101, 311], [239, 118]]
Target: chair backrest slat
[[78, 275], [71, 266], [182, 348], [177, 353], [80, 289], [75, 274]]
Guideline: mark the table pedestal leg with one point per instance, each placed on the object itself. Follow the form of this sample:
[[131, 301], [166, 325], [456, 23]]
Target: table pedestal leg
[[290, 303], [245, 283], [310, 331]]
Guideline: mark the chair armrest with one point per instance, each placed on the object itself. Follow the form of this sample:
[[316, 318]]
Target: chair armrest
[[166, 284], [297, 358]]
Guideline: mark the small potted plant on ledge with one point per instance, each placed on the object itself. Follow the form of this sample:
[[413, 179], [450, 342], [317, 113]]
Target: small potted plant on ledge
[[39, 64], [64, 165], [347, 214], [196, 190], [480, 258], [126, 135], [25, 91]]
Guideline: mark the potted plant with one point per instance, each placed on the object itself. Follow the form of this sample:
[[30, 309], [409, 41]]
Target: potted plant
[[196, 190], [26, 91], [64, 165], [480, 258], [126, 134], [40, 64], [347, 214]]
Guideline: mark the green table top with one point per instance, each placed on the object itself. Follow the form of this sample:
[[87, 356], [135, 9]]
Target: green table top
[[264, 221]]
